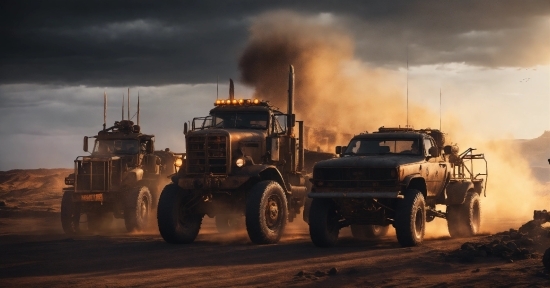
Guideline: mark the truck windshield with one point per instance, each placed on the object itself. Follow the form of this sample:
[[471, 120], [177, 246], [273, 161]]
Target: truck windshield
[[117, 147], [383, 146], [240, 120]]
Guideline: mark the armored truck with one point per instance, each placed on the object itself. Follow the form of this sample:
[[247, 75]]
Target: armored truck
[[242, 160], [395, 176], [121, 178]]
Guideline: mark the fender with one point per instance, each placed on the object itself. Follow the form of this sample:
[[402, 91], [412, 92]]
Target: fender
[[132, 176], [456, 192], [410, 178], [264, 172]]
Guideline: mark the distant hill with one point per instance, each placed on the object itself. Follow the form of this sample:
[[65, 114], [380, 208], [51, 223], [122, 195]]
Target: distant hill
[[33, 188]]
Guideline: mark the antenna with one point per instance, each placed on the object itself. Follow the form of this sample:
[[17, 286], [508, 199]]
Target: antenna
[[407, 86], [128, 103], [104, 110], [122, 106], [231, 90], [217, 90], [439, 108], [138, 111]]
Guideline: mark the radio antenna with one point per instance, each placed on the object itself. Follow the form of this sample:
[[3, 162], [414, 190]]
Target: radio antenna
[[128, 103], [122, 106], [439, 108], [217, 90], [138, 111], [407, 86], [104, 110]]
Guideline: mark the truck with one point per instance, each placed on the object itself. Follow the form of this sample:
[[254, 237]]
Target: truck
[[121, 178], [243, 160], [395, 176]]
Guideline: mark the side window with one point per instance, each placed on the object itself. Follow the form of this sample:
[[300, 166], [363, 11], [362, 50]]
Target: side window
[[279, 124], [427, 145]]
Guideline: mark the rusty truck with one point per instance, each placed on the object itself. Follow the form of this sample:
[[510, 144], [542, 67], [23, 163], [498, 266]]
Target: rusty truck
[[395, 176], [120, 178], [243, 160]]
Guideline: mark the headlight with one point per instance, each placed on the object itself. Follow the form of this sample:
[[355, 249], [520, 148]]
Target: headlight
[[178, 162], [239, 162]]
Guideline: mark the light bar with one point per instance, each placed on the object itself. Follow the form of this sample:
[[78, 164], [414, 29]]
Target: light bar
[[235, 102]]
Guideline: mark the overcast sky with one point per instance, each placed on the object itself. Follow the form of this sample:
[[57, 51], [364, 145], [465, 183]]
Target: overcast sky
[[491, 59]]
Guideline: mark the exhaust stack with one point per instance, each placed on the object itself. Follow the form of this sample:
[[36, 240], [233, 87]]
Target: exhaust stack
[[231, 90], [290, 118]]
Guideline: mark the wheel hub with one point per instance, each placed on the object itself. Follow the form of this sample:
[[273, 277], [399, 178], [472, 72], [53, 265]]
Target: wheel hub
[[418, 223], [143, 209], [272, 212]]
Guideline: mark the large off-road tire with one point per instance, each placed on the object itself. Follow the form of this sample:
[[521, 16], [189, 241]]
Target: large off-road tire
[[546, 259], [226, 223], [70, 214], [324, 223], [266, 212], [365, 232], [464, 220], [99, 221], [177, 224], [307, 206], [410, 219], [137, 208]]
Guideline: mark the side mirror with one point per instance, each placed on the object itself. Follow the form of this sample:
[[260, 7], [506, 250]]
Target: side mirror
[[340, 150], [150, 148], [85, 144], [185, 128]]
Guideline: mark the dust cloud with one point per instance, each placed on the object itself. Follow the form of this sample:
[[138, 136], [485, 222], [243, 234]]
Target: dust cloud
[[336, 92]]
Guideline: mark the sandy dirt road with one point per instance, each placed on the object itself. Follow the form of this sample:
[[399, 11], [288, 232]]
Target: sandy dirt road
[[36, 253]]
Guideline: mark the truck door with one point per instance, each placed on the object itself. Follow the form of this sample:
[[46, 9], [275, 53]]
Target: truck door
[[436, 169]]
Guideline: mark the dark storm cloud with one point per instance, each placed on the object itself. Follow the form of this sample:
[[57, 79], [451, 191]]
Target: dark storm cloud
[[126, 43]]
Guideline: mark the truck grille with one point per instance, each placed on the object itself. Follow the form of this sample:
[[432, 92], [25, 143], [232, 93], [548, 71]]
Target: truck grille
[[207, 154], [97, 175], [355, 177]]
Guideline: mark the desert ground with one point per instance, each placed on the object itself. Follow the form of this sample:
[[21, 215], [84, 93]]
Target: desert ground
[[36, 253]]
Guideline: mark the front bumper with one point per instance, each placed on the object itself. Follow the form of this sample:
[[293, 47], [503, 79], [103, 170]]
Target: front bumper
[[352, 194], [210, 182]]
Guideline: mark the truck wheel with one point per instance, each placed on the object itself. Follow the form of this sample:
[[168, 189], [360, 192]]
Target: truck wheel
[[410, 219], [365, 232], [307, 205], [70, 214], [137, 209], [99, 221], [464, 220], [324, 224], [266, 212], [226, 223], [177, 224]]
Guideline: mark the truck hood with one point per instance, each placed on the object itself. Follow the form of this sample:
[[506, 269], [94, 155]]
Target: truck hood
[[378, 161]]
